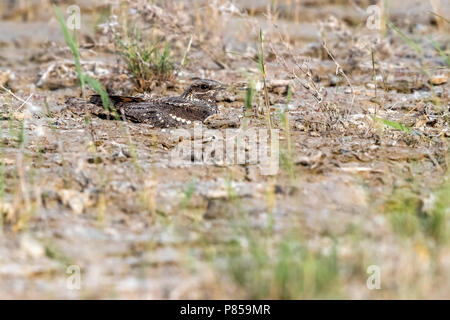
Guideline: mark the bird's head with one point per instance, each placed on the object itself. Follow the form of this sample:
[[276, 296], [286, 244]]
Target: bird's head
[[203, 89]]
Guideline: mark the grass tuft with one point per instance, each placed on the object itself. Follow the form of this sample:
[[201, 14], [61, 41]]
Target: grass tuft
[[94, 84], [410, 217], [148, 63], [72, 45], [285, 270]]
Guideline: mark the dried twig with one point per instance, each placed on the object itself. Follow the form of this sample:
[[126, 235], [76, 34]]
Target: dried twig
[[306, 81], [25, 102], [339, 69], [263, 70]]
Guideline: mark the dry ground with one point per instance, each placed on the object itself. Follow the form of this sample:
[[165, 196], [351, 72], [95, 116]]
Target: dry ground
[[354, 187]]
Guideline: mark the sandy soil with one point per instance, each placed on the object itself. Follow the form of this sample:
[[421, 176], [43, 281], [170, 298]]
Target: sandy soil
[[106, 196]]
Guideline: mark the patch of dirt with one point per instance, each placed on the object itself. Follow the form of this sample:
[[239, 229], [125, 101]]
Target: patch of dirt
[[108, 196]]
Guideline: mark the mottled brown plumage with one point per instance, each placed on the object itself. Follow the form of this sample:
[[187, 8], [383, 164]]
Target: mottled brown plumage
[[195, 104]]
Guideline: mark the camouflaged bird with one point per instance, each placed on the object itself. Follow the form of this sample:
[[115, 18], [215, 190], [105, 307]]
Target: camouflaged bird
[[196, 103]]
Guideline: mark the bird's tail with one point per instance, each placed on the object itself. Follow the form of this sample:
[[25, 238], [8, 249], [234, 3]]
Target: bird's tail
[[97, 99]]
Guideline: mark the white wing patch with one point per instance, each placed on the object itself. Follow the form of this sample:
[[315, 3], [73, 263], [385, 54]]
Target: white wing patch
[[179, 119]]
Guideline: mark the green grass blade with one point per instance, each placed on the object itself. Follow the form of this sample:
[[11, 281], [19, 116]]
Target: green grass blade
[[94, 84], [442, 53], [408, 41], [260, 55], [394, 124], [72, 45]]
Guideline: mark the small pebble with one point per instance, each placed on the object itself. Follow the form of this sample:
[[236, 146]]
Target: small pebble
[[438, 79], [31, 247]]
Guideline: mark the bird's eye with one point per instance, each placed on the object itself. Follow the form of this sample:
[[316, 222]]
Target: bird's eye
[[204, 87]]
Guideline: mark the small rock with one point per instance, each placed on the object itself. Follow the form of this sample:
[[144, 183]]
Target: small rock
[[333, 80], [219, 208], [7, 162], [4, 77], [217, 121], [31, 247], [438, 79], [121, 152], [21, 270], [311, 161], [370, 85], [77, 201], [22, 115], [6, 210], [217, 194]]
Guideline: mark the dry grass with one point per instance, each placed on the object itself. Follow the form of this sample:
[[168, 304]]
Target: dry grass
[[363, 176]]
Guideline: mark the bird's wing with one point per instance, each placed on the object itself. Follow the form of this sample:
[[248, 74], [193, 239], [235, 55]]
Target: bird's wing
[[188, 110]]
